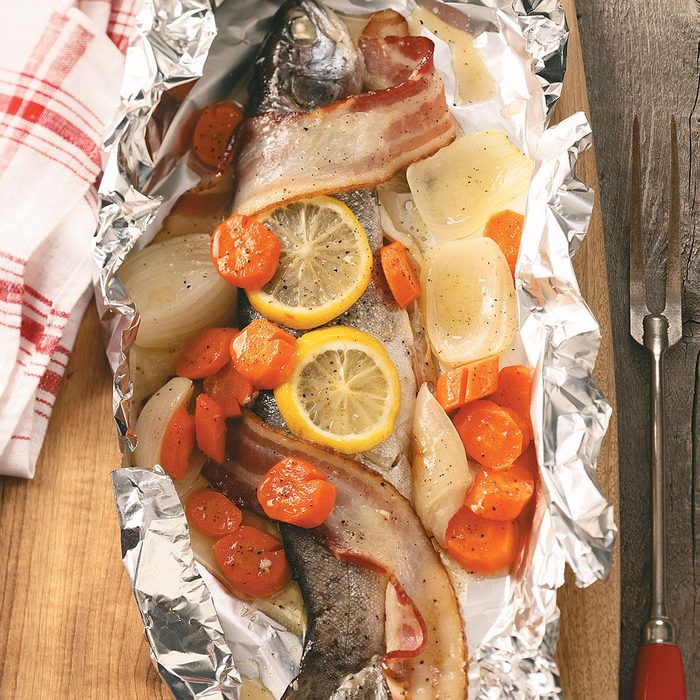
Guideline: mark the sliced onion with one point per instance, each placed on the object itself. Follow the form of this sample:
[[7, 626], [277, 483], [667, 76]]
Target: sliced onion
[[400, 218], [177, 291], [459, 188], [474, 82], [193, 479], [155, 417], [150, 368], [441, 476], [468, 300]]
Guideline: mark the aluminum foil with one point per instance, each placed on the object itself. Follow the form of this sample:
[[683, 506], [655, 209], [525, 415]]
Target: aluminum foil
[[169, 45], [511, 621], [179, 618], [573, 522]]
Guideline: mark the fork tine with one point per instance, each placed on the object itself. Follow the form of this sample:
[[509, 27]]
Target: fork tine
[[638, 303], [672, 310]]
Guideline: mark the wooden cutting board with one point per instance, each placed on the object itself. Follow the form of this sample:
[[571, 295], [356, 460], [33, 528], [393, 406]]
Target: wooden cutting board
[[589, 645], [69, 627]]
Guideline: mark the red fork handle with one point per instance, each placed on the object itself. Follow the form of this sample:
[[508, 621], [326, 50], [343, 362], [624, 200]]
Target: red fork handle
[[658, 674]]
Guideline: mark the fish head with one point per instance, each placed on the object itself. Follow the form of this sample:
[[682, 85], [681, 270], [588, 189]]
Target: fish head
[[308, 60]]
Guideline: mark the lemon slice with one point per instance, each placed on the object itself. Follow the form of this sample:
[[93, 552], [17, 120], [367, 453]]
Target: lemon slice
[[325, 263], [344, 392]]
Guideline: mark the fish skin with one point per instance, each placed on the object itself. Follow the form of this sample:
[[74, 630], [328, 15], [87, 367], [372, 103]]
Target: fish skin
[[344, 601], [376, 313], [265, 407], [340, 596], [368, 684], [307, 60]]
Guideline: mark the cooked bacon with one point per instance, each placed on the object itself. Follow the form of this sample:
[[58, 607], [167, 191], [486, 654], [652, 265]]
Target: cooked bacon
[[373, 525], [404, 629], [385, 23], [350, 144], [389, 61]]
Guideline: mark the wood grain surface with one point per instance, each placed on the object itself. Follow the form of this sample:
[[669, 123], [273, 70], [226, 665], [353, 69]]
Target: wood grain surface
[[590, 627], [69, 627], [644, 58]]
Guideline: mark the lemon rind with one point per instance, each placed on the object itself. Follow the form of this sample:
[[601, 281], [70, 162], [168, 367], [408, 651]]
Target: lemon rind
[[293, 411], [303, 318]]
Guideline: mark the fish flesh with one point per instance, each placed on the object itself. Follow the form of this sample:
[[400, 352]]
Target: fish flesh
[[372, 537], [308, 59], [372, 525], [331, 66]]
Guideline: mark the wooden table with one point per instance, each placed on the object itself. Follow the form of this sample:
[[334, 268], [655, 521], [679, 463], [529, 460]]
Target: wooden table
[[644, 58], [69, 627]]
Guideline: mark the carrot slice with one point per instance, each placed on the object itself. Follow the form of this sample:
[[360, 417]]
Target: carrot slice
[[480, 545], [506, 228], [206, 353], [210, 428], [213, 131], [229, 389], [467, 383], [502, 494], [212, 513], [514, 392], [490, 434], [400, 274], [295, 492], [528, 459], [245, 252], [253, 562], [524, 425], [178, 441], [264, 354]]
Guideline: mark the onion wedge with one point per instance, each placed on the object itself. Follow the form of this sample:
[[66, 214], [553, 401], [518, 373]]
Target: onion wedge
[[441, 476]]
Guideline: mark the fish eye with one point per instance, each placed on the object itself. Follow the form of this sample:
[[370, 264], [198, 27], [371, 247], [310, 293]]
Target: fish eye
[[302, 30]]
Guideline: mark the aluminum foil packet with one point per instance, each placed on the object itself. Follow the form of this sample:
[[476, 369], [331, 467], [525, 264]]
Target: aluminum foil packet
[[202, 639]]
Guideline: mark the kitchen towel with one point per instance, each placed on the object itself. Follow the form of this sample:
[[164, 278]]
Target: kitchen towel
[[60, 72]]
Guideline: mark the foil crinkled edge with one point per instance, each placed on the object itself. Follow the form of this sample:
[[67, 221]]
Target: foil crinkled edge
[[171, 42], [169, 45], [180, 622], [574, 523]]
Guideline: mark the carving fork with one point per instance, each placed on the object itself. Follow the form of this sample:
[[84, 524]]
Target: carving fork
[[659, 667]]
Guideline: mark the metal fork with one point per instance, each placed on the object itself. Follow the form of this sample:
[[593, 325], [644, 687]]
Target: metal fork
[[659, 668]]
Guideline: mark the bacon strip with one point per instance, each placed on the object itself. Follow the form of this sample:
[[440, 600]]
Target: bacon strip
[[385, 23], [373, 525], [347, 145], [389, 60]]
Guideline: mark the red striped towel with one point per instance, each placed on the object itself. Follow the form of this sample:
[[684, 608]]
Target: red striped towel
[[60, 72]]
